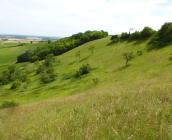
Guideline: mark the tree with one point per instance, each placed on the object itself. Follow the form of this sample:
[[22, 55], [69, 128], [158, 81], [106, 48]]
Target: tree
[[128, 57], [135, 36], [115, 38], [146, 33], [125, 36], [162, 38]]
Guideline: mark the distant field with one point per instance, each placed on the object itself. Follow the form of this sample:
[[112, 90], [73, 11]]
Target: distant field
[[10, 50]]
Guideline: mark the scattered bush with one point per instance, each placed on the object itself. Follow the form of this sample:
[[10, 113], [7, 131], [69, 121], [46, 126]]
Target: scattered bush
[[7, 104], [46, 70], [15, 85], [12, 74], [84, 69]]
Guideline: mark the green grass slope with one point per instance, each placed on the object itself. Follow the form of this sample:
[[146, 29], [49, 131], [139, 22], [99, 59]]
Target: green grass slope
[[133, 102]]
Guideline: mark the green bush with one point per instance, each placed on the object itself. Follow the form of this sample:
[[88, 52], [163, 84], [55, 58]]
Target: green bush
[[7, 104], [162, 38], [15, 85], [13, 74], [135, 36], [83, 70], [125, 36], [47, 77], [115, 38], [146, 33]]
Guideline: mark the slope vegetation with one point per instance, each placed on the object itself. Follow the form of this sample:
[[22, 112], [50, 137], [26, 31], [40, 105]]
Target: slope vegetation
[[113, 101]]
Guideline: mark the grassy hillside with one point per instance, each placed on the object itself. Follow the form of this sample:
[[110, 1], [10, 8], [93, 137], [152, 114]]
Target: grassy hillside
[[133, 102]]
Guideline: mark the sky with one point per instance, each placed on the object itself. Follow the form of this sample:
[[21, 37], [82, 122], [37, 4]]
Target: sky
[[67, 17]]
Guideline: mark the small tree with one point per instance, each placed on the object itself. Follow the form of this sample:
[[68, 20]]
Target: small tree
[[49, 60], [128, 57]]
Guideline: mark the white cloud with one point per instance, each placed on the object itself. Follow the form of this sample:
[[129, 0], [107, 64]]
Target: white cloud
[[65, 17]]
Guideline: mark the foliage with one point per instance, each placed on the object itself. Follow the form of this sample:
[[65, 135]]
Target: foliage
[[135, 36], [47, 77], [46, 70], [60, 46], [146, 33], [15, 85], [115, 38], [163, 37], [13, 74], [125, 36], [84, 69]]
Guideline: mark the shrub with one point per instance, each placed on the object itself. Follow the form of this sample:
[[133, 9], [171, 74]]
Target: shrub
[[15, 85], [135, 36], [125, 36], [49, 60], [146, 33], [165, 33], [163, 37], [115, 38], [7, 104], [12, 74], [84, 69], [47, 77]]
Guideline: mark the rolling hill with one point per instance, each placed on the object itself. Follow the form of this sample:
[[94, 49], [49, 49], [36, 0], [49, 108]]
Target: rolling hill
[[113, 101]]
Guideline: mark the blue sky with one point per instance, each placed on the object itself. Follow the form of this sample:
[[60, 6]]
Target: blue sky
[[66, 17]]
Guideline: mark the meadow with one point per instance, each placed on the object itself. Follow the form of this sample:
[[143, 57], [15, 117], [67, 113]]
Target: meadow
[[113, 101]]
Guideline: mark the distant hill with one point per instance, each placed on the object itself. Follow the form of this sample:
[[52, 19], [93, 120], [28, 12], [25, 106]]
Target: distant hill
[[26, 37]]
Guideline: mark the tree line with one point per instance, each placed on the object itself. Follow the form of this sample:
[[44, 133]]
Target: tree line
[[158, 39], [60, 46]]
